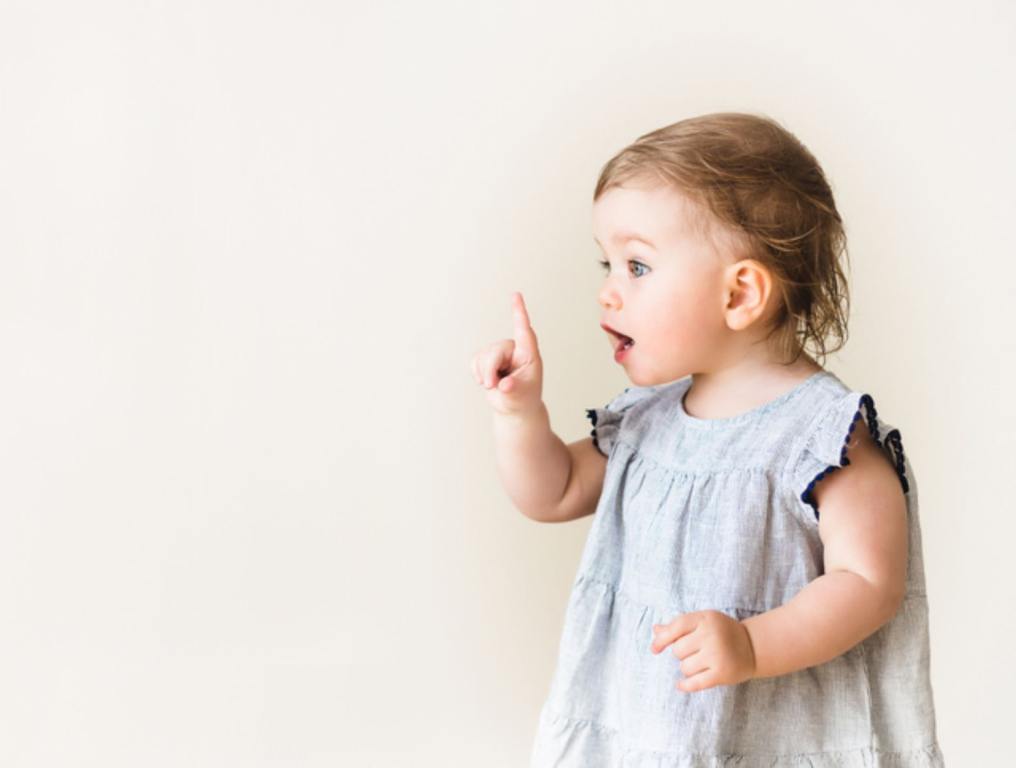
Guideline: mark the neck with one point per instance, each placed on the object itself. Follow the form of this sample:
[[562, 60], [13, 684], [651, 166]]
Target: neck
[[746, 384]]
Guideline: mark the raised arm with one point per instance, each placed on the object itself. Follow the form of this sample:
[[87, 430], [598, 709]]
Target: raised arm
[[547, 480]]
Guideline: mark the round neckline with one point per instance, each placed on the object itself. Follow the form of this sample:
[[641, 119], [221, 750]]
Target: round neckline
[[758, 410]]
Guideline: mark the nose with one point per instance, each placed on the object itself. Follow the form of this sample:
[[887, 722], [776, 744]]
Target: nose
[[609, 298]]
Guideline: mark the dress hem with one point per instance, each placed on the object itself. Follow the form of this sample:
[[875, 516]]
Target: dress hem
[[568, 732]]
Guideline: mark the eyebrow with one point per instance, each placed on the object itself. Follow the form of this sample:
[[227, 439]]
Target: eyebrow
[[624, 237]]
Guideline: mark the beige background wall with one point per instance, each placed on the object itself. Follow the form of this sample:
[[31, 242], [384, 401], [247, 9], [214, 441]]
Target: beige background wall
[[250, 514]]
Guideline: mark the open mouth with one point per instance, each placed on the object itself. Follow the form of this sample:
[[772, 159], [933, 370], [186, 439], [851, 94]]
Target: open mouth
[[619, 340]]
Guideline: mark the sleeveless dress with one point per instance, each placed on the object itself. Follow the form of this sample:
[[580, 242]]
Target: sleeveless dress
[[718, 514]]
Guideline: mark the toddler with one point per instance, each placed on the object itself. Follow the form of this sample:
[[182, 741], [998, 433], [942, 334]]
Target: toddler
[[752, 589]]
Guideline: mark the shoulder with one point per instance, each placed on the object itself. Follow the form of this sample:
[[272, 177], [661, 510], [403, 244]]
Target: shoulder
[[841, 427], [866, 472], [607, 419]]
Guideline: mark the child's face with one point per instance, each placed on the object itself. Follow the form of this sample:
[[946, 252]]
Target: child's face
[[668, 294]]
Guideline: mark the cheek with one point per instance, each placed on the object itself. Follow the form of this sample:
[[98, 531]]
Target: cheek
[[685, 316]]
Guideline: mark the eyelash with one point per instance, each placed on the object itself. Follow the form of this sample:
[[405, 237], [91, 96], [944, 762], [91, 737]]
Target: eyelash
[[606, 265]]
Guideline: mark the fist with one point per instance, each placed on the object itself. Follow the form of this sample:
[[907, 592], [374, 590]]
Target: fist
[[714, 649]]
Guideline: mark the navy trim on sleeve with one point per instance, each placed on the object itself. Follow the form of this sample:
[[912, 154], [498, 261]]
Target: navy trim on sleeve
[[866, 407], [591, 415]]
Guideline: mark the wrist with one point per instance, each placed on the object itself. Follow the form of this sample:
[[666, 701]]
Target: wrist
[[525, 417]]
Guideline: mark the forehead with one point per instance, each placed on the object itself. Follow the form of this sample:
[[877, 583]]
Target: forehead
[[655, 213]]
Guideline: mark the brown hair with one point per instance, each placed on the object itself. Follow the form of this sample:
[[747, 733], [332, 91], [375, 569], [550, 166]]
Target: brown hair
[[769, 194]]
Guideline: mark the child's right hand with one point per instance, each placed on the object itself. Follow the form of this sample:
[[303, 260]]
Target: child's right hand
[[511, 369]]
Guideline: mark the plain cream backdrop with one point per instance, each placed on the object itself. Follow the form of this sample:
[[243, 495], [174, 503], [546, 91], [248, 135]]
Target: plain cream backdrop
[[250, 512]]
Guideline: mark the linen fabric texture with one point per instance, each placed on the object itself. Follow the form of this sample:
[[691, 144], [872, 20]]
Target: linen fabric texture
[[718, 514]]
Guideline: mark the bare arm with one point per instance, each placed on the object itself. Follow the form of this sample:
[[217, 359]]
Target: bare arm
[[827, 618], [547, 480], [863, 526]]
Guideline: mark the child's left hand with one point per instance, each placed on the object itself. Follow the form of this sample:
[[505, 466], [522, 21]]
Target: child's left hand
[[714, 649]]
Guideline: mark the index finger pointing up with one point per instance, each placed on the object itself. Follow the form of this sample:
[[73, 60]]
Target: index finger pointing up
[[524, 335]]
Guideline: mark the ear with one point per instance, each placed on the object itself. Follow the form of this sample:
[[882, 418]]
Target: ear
[[746, 287]]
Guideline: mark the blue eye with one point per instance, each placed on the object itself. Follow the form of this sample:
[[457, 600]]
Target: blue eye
[[606, 266]]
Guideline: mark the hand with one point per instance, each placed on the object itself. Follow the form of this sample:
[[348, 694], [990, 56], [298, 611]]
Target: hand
[[714, 649], [511, 369]]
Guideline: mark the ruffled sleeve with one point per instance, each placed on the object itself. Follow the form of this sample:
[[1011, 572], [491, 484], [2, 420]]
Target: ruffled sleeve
[[825, 445], [607, 420]]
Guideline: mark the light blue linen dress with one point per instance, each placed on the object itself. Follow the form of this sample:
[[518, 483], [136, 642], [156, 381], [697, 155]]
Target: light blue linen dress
[[717, 514]]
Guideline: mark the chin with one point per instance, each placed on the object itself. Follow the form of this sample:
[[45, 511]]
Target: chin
[[642, 380], [652, 380]]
